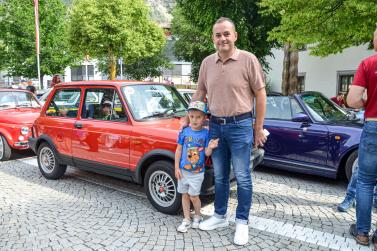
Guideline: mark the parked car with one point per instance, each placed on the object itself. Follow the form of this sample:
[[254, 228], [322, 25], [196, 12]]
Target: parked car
[[187, 94], [18, 110], [310, 134], [137, 143]]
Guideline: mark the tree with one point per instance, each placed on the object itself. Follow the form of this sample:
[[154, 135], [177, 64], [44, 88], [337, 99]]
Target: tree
[[141, 69], [17, 38], [326, 27], [193, 21], [114, 28]]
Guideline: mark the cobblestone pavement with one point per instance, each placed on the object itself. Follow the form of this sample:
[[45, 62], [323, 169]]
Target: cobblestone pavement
[[85, 211]]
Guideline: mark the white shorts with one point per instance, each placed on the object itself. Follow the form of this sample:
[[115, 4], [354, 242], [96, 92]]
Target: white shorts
[[190, 183]]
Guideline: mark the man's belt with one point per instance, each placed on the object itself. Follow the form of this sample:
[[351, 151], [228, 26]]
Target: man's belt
[[230, 119]]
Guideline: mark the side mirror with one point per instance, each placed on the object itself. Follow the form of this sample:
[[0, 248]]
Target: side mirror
[[301, 117]]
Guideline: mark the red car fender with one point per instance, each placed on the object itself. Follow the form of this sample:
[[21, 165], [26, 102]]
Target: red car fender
[[7, 135]]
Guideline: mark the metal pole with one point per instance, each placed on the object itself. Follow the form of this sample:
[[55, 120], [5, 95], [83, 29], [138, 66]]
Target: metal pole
[[86, 71], [121, 67], [36, 19], [39, 73]]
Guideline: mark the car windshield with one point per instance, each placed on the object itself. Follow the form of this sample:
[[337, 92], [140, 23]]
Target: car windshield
[[17, 99], [322, 109], [154, 101]]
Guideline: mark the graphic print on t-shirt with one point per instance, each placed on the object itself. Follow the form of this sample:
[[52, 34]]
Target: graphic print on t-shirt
[[193, 157]]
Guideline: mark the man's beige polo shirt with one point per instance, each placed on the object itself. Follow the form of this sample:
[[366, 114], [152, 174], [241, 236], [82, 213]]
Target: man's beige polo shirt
[[230, 85]]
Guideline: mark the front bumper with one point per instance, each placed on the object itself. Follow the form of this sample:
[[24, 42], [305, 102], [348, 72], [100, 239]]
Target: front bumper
[[32, 144], [208, 186]]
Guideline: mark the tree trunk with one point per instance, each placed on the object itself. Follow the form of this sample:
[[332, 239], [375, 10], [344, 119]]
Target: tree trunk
[[289, 83], [112, 67]]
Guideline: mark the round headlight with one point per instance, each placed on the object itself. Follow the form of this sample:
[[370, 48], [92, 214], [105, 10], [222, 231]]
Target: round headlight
[[24, 130]]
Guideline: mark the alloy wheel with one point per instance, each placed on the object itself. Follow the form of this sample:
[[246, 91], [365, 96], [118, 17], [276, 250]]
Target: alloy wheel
[[47, 160], [1, 147], [162, 188]]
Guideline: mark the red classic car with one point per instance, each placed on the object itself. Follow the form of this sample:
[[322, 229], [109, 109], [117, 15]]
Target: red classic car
[[18, 110], [122, 129]]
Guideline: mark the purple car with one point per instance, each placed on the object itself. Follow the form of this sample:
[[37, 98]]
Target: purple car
[[310, 134]]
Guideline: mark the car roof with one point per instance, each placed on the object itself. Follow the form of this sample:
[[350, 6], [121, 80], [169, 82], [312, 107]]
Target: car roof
[[12, 89], [108, 82]]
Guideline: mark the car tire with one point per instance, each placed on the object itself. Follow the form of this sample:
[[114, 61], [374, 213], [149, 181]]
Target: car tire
[[161, 187], [48, 162], [5, 150], [351, 164]]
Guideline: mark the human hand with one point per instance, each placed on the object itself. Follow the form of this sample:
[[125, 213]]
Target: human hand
[[213, 143], [259, 138], [178, 174]]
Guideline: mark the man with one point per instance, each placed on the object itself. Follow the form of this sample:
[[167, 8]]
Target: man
[[366, 80], [232, 78], [339, 99], [107, 111]]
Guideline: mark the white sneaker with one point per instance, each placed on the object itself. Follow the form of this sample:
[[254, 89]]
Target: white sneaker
[[186, 224], [241, 236], [213, 223], [196, 222]]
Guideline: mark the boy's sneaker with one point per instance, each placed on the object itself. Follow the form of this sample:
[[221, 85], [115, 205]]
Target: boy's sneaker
[[196, 222], [213, 223], [362, 239], [347, 203], [186, 224]]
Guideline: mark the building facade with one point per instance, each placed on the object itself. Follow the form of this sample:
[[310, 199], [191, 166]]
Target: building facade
[[328, 75]]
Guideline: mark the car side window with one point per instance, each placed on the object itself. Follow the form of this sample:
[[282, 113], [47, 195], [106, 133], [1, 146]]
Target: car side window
[[65, 103], [278, 107], [103, 104], [296, 108]]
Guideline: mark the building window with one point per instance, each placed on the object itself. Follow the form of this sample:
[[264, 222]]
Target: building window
[[345, 79], [301, 82], [79, 73]]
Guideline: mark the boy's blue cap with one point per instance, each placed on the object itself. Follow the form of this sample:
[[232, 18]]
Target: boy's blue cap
[[198, 105]]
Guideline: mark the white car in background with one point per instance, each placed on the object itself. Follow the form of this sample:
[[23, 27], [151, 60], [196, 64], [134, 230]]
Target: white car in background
[[187, 94]]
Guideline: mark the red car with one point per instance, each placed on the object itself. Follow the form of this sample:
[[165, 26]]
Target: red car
[[18, 110], [122, 129]]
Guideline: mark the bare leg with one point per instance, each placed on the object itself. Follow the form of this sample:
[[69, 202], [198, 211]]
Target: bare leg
[[186, 206], [197, 204]]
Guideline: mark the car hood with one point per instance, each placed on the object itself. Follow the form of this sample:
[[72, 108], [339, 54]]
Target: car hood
[[19, 115], [347, 123], [167, 129]]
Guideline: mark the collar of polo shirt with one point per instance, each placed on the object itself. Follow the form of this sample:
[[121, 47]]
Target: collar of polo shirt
[[233, 57]]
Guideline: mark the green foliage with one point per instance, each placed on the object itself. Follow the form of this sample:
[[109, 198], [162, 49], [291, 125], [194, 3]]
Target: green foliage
[[114, 28], [17, 38], [327, 27], [144, 68], [193, 21]]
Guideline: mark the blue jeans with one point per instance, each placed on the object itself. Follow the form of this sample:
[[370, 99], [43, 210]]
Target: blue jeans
[[351, 188], [367, 176], [235, 144]]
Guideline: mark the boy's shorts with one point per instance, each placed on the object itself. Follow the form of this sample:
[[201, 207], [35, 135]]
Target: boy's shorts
[[190, 183]]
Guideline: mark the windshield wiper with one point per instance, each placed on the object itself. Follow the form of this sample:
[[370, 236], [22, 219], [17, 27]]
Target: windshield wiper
[[24, 105], [2, 106], [168, 112], [155, 115]]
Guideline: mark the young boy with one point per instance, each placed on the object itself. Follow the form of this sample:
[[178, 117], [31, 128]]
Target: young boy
[[193, 144]]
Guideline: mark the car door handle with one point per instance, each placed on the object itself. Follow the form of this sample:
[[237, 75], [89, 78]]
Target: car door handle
[[301, 135], [78, 125]]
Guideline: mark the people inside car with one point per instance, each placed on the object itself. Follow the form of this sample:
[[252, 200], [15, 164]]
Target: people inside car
[[107, 113]]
